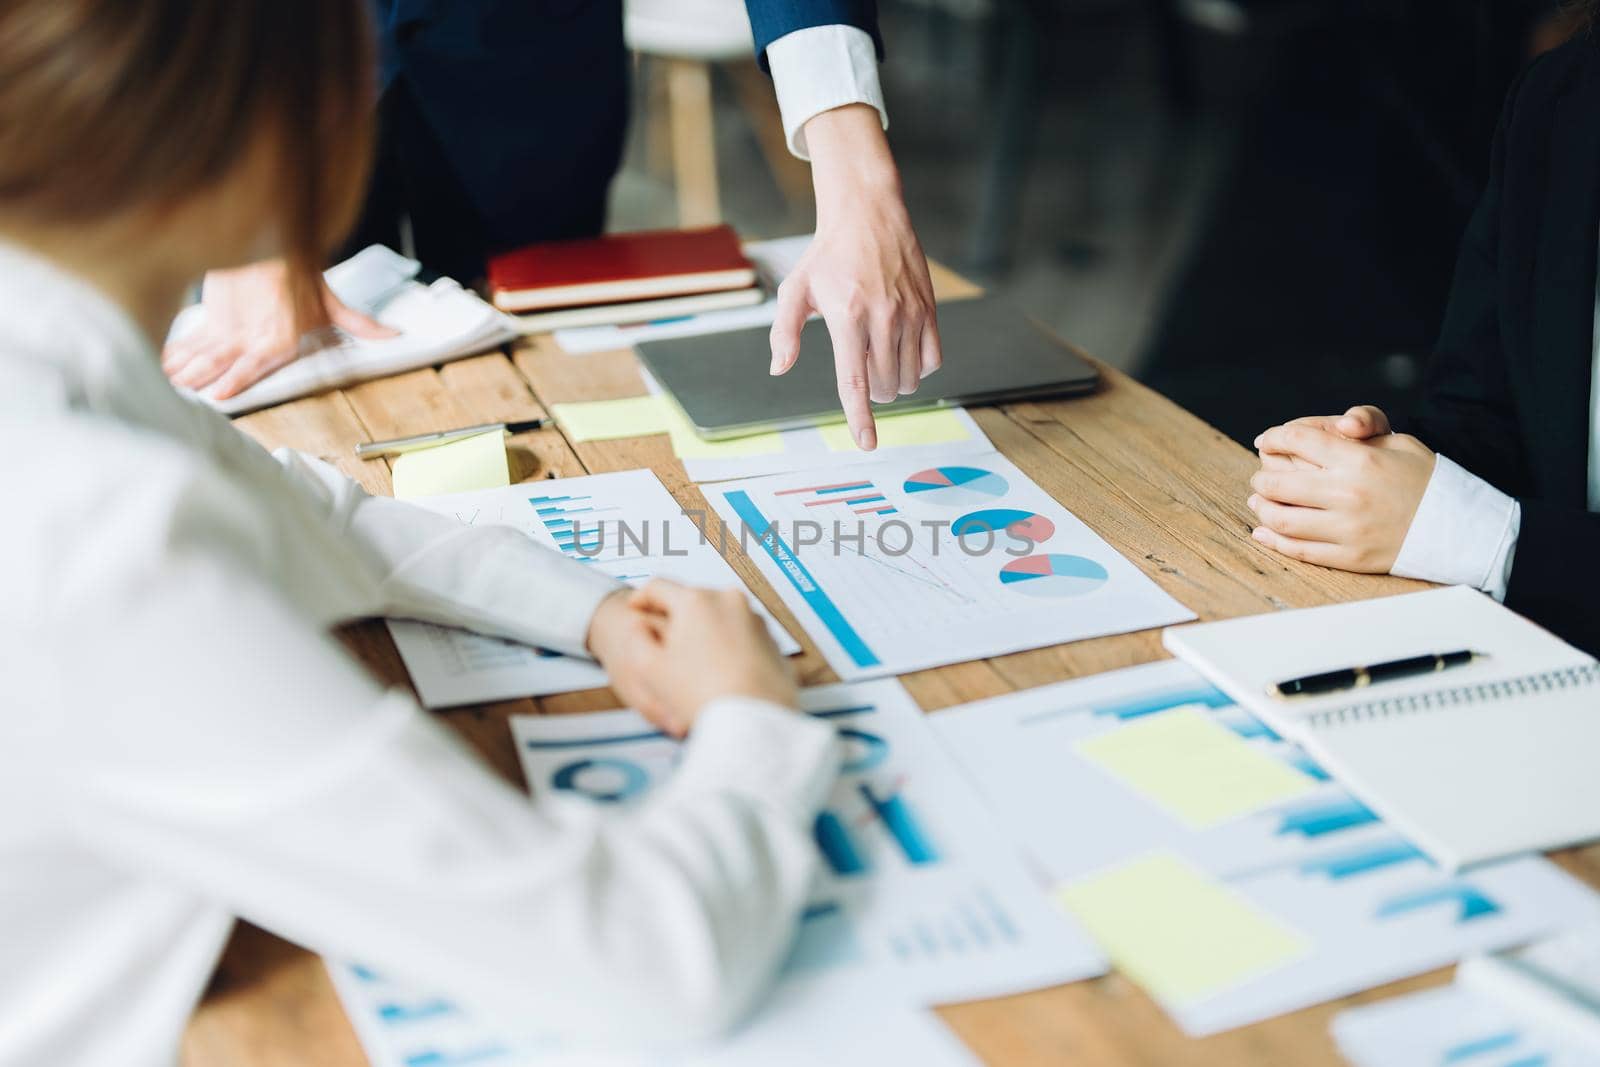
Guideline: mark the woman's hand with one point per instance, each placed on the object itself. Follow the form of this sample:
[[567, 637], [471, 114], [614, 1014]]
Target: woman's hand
[[677, 649], [1339, 491], [249, 330], [1361, 423], [864, 273]]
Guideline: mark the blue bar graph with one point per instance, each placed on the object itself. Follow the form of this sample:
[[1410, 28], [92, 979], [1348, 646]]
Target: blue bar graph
[[1481, 1046], [1469, 901], [1363, 860], [833, 838], [1326, 817], [902, 825], [1308, 766], [571, 537], [436, 1058], [405, 1013], [1151, 703]]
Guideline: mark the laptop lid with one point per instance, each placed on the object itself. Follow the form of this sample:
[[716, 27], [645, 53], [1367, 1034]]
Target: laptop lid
[[992, 353]]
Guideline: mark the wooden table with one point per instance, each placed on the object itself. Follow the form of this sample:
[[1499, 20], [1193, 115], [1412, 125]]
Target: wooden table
[[1164, 488]]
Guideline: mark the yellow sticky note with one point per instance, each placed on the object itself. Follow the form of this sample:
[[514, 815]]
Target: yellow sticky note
[[1194, 767], [690, 445], [608, 420], [477, 462], [936, 427], [1177, 932]]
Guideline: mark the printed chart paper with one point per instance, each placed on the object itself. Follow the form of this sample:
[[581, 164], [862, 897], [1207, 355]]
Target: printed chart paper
[[1323, 898], [898, 566], [625, 524], [1452, 1026], [921, 891], [802, 1024]]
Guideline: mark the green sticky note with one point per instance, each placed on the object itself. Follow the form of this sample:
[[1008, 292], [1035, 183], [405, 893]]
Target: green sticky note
[[936, 427], [1197, 769], [477, 462], [690, 445], [1177, 932], [608, 420]]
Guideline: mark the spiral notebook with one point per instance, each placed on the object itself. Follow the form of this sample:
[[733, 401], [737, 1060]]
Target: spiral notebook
[[1495, 758]]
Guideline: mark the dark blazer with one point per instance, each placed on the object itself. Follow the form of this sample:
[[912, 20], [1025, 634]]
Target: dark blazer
[[525, 102], [1507, 394]]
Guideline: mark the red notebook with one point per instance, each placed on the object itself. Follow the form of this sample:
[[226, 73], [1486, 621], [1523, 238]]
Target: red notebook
[[618, 267]]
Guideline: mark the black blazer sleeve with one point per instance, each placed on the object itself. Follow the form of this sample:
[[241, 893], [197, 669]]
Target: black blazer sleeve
[[1467, 410], [1488, 379]]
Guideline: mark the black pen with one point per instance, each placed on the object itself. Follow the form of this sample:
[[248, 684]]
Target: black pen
[[368, 449], [1358, 677]]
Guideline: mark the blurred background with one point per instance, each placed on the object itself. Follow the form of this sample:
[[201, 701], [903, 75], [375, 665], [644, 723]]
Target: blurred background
[[1251, 205]]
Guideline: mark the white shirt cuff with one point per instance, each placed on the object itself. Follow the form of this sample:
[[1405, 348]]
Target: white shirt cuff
[[758, 749], [821, 68], [1464, 533]]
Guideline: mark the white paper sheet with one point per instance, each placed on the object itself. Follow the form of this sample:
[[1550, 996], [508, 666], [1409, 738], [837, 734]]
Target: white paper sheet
[[1372, 906], [803, 1024], [638, 532], [1451, 1026], [921, 892], [901, 565]]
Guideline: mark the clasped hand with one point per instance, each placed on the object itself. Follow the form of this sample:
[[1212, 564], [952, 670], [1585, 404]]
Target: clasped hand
[[1339, 490], [671, 650]]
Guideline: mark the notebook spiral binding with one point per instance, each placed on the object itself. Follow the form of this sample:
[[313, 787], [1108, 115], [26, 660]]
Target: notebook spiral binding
[[1440, 699]]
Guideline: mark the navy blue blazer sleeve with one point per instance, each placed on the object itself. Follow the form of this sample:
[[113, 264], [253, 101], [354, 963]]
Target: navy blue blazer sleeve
[[771, 19]]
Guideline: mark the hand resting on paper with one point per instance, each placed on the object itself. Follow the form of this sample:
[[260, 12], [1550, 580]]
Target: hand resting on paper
[[1339, 490], [672, 650], [249, 329]]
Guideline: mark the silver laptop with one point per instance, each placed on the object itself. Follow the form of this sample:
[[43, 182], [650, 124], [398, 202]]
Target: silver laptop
[[992, 353]]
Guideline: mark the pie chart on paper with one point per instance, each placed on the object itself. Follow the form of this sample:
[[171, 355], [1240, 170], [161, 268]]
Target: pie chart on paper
[[1023, 525], [956, 487], [1053, 575]]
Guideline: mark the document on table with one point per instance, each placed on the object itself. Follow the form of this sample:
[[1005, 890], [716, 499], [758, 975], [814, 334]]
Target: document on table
[[1452, 1026], [1239, 883], [900, 565], [802, 1024], [625, 524], [921, 891]]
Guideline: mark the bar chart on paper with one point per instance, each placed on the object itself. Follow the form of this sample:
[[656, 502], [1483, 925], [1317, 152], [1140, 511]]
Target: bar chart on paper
[[895, 567], [1212, 840], [625, 525], [919, 890]]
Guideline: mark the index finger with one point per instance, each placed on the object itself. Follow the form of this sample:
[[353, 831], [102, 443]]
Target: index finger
[[1319, 446], [850, 368]]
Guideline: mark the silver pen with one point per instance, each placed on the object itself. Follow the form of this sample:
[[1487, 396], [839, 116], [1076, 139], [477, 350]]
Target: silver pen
[[368, 449]]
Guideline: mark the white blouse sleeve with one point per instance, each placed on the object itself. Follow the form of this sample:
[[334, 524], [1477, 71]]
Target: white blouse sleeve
[[221, 744], [1464, 532], [492, 579]]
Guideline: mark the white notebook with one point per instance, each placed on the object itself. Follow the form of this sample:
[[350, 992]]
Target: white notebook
[[1494, 758]]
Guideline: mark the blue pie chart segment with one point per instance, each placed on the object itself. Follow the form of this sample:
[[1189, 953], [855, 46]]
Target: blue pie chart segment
[[993, 523], [956, 487], [610, 781], [1053, 575]]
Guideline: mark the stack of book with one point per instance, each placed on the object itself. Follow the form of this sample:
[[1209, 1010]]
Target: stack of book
[[624, 278]]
